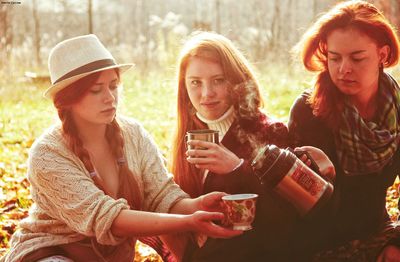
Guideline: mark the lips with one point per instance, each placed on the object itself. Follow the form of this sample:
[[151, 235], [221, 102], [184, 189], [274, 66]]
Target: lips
[[108, 110], [210, 104], [347, 81]]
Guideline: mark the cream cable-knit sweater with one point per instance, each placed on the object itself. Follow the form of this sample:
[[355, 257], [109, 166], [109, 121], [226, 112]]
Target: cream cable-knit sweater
[[69, 207], [221, 124]]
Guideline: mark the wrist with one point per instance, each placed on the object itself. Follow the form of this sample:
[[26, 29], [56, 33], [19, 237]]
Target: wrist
[[241, 161], [187, 223]]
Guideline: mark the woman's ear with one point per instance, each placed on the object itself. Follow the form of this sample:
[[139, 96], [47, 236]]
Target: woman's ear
[[383, 53]]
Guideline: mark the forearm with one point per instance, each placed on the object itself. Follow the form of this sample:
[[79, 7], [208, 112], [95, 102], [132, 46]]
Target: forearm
[[131, 223], [186, 206]]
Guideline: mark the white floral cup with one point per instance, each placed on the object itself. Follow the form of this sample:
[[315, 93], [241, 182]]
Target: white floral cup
[[240, 210]]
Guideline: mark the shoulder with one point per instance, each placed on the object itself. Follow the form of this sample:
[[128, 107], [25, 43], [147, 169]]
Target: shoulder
[[271, 124], [301, 104], [128, 123], [301, 109], [305, 128], [50, 154], [135, 135], [275, 131], [50, 140], [131, 128], [392, 81]]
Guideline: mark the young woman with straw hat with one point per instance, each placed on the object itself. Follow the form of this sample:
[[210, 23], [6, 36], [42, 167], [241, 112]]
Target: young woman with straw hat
[[98, 178]]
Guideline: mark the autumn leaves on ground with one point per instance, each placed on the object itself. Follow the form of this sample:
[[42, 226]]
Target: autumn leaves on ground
[[25, 114]]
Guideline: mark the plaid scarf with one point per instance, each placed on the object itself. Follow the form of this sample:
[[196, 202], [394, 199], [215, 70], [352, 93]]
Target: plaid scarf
[[365, 147]]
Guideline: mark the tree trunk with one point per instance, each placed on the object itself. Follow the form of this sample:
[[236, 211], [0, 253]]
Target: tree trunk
[[3, 35], [397, 13], [315, 8], [275, 25], [37, 32], [217, 16], [90, 16]]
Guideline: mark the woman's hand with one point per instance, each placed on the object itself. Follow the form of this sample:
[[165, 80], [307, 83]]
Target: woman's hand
[[210, 202], [203, 222], [215, 157], [326, 167]]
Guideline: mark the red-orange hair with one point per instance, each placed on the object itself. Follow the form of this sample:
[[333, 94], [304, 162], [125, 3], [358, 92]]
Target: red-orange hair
[[245, 97], [326, 100], [63, 100]]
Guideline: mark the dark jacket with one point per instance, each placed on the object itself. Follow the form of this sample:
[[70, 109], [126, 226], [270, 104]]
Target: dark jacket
[[274, 216], [358, 206]]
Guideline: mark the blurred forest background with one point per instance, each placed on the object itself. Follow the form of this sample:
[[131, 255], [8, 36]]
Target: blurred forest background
[[150, 34]]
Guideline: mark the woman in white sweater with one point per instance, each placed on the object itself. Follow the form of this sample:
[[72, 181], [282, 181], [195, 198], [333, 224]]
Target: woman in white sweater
[[97, 178]]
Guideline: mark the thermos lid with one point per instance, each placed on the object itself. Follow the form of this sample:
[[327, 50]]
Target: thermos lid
[[266, 158]]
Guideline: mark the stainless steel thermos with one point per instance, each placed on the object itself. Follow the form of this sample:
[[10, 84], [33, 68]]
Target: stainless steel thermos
[[282, 171]]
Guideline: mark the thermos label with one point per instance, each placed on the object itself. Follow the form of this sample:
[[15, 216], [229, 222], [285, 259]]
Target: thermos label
[[312, 184]]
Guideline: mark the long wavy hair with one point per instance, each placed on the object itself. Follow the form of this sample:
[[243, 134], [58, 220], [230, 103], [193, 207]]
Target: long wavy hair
[[326, 100], [245, 97], [63, 100]]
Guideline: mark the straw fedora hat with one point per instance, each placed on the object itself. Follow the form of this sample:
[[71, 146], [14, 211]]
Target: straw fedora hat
[[77, 57]]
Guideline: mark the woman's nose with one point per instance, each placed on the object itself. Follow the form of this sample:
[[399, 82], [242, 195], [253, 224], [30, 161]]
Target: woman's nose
[[109, 95], [208, 90], [345, 67]]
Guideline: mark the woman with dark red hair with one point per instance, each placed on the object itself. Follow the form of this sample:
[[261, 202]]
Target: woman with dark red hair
[[352, 114]]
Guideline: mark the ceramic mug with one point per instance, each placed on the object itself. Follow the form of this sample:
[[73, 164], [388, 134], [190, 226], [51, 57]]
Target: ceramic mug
[[240, 210]]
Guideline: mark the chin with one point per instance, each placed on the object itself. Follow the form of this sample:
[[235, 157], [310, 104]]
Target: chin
[[348, 90], [108, 120]]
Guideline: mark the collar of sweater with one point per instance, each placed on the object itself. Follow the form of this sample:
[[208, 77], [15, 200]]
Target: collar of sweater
[[221, 124]]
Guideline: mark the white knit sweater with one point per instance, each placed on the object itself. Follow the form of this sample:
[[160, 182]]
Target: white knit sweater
[[68, 206]]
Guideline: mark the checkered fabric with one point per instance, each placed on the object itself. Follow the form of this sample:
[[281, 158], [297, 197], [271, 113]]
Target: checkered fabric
[[365, 147]]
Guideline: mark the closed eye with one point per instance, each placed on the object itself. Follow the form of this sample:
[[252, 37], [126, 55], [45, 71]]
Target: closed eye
[[334, 59], [95, 90], [219, 81], [358, 59]]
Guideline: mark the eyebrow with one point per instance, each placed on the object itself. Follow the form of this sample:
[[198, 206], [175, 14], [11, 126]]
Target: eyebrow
[[112, 82], [352, 53], [197, 77]]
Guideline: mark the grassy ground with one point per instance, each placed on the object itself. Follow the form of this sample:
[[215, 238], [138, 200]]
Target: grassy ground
[[150, 98]]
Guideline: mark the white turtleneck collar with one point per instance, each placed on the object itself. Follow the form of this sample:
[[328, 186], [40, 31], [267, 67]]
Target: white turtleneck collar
[[221, 124]]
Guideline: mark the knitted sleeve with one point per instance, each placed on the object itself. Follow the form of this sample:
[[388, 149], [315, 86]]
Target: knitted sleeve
[[62, 188], [160, 191]]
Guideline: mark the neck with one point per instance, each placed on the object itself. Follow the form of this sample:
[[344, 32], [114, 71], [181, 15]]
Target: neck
[[221, 124], [366, 103], [91, 134]]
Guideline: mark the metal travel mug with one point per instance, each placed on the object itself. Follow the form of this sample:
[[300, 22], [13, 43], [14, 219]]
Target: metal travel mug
[[207, 135]]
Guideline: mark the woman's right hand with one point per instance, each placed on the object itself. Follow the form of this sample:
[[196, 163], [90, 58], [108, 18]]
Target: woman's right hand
[[325, 165], [203, 222], [215, 157]]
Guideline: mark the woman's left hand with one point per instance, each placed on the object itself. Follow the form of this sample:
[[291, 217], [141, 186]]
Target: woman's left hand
[[325, 165], [211, 202], [215, 157]]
